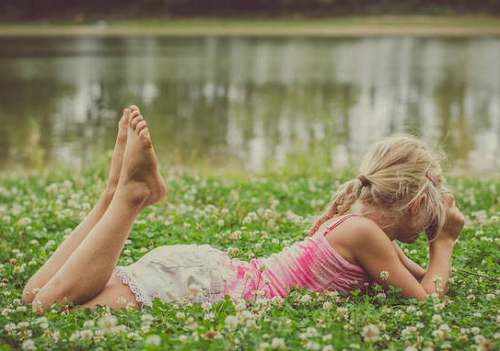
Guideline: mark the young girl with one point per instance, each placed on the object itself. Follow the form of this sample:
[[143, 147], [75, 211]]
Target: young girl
[[398, 191]]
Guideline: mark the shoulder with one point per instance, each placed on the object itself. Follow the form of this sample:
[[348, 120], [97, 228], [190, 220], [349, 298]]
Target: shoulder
[[366, 235]]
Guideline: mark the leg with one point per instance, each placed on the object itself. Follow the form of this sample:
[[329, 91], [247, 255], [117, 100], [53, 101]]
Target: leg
[[55, 262], [115, 295], [89, 268]]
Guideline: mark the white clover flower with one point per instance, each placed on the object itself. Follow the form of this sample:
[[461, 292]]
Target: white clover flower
[[471, 297], [195, 290], [206, 306], [23, 325], [436, 279], [261, 267], [327, 305], [153, 340], [86, 334], [411, 348], [240, 305], [210, 316], [381, 296], [28, 345], [478, 339], [75, 336], [370, 332], [220, 222], [10, 327], [245, 315], [344, 312], [306, 298], [18, 269], [475, 330], [438, 334], [147, 318], [490, 296], [410, 309], [130, 306], [43, 322], [408, 331], [180, 315], [107, 323], [277, 343], [384, 275], [439, 306], [182, 338], [328, 348], [88, 324], [311, 345], [24, 221], [437, 318], [121, 300], [231, 322]]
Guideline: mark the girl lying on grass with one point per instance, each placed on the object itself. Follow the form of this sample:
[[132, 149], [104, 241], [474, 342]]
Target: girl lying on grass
[[398, 193]]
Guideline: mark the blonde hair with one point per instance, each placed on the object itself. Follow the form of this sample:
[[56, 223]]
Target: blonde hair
[[395, 176]]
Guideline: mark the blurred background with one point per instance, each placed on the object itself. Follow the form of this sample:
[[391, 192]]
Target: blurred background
[[253, 86]]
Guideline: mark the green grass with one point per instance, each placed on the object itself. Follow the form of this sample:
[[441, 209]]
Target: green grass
[[342, 26], [37, 210]]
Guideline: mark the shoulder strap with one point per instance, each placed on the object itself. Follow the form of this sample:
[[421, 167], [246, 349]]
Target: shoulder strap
[[340, 221]]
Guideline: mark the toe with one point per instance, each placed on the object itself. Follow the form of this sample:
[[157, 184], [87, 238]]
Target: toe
[[125, 117], [140, 126], [136, 121], [133, 117]]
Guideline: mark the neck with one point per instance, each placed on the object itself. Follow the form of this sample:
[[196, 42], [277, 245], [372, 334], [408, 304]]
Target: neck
[[389, 228]]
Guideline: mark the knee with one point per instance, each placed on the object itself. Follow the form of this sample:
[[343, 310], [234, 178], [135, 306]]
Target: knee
[[52, 292], [29, 293]]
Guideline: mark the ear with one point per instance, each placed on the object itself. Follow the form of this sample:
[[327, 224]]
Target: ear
[[416, 205]]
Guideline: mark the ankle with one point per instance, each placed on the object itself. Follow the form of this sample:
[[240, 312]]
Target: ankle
[[134, 194], [108, 194]]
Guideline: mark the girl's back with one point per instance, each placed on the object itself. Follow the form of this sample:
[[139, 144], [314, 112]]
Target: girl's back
[[313, 263]]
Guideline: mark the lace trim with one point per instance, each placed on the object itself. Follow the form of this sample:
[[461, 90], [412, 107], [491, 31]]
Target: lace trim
[[126, 279]]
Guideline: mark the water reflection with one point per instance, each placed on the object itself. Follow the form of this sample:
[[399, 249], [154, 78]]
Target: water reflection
[[248, 102]]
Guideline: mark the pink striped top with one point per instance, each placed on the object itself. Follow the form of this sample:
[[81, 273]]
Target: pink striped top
[[312, 263]]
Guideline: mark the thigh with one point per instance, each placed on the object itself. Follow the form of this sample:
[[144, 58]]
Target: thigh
[[115, 295]]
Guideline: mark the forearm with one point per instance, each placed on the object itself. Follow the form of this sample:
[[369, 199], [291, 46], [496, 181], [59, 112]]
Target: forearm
[[439, 271], [417, 271]]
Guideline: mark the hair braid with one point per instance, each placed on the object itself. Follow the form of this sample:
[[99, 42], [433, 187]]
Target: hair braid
[[345, 197]]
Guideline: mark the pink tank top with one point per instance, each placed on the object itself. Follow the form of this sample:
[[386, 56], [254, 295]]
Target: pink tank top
[[312, 263]]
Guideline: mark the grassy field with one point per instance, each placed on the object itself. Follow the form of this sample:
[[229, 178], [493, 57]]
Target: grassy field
[[268, 213], [344, 26]]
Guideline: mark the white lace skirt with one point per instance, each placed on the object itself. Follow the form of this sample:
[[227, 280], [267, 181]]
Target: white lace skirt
[[176, 274]]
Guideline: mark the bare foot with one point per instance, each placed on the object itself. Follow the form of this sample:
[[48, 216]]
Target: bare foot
[[119, 150], [139, 177]]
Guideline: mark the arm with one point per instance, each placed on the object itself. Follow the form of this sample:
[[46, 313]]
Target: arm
[[376, 253], [417, 271]]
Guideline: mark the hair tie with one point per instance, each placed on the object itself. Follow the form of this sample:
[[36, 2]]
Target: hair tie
[[364, 181], [431, 177]]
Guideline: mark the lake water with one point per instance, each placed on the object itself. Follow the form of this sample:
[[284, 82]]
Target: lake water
[[248, 103]]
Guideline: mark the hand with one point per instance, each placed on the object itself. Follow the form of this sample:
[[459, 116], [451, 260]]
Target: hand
[[454, 219]]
